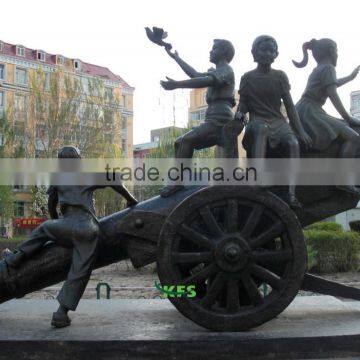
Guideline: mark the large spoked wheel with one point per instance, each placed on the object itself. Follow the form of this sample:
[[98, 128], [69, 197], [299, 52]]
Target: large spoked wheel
[[241, 248]]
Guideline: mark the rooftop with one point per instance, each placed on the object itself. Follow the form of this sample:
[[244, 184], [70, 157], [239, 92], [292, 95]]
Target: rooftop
[[50, 59]]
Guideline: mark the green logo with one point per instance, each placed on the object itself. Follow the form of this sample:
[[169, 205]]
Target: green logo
[[176, 290]]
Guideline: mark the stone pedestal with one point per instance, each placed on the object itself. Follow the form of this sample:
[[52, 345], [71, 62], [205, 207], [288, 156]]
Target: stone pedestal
[[312, 327]]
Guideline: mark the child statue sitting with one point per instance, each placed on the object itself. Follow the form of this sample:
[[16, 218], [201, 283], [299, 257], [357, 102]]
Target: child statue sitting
[[220, 82], [262, 92], [78, 229]]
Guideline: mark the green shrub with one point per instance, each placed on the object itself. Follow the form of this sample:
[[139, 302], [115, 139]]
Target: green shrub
[[335, 251], [311, 257], [325, 226]]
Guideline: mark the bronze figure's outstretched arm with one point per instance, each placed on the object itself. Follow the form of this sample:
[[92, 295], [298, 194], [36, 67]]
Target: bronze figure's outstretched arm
[[197, 82], [336, 101], [189, 70], [346, 79]]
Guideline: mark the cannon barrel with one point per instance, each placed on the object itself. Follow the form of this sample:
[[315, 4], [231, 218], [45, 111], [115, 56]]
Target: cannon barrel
[[130, 233]]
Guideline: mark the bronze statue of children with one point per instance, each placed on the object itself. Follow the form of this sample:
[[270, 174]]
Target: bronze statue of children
[[78, 229], [322, 84], [220, 82], [262, 92]]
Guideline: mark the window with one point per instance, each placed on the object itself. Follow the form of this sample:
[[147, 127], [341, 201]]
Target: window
[[124, 101], [2, 103], [20, 112], [41, 106], [2, 71], [108, 93], [108, 138], [1, 46], [60, 60], [21, 76], [47, 81], [123, 145], [19, 210], [41, 137], [77, 64], [85, 85], [40, 55], [20, 50], [124, 123]]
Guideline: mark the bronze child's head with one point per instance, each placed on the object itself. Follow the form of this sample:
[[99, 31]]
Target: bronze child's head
[[322, 50], [222, 50], [264, 50], [67, 152]]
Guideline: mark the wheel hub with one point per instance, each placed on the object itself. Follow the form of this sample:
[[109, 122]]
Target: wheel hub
[[232, 253]]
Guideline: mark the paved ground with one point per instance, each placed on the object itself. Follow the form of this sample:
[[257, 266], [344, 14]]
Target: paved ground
[[128, 283]]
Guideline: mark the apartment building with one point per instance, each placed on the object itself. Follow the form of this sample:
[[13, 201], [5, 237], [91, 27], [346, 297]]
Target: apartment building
[[20, 69]]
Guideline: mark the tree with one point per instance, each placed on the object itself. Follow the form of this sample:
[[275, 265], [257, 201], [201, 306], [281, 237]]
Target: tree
[[6, 204], [75, 111], [165, 149], [39, 204]]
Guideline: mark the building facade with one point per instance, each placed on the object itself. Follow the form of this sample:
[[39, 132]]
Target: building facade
[[156, 137], [197, 112], [355, 104], [28, 107], [19, 66]]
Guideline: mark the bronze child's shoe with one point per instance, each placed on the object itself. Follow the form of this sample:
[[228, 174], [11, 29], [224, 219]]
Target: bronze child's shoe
[[60, 320]]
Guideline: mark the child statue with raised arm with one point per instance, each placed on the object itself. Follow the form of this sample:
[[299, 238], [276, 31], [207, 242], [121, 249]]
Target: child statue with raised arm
[[220, 99]]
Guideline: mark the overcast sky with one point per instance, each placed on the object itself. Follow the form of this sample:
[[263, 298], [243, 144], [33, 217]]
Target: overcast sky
[[111, 33]]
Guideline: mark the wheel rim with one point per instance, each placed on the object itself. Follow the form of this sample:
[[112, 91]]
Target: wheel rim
[[229, 243]]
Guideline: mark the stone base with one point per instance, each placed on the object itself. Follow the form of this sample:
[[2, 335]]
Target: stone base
[[313, 327]]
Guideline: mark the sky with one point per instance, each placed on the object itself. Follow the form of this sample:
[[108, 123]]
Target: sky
[[111, 33]]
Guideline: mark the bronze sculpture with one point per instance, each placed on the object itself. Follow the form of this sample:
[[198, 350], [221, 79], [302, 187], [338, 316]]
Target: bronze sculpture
[[323, 128], [227, 243], [220, 82], [262, 91], [77, 229]]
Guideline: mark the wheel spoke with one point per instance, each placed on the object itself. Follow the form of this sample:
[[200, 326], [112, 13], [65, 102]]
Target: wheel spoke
[[232, 298], [210, 221], [269, 257], [191, 257], [267, 276], [252, 220], [195, 237], [215, 287], [232, 215], [252, 289], [274, 231], [201, 275]]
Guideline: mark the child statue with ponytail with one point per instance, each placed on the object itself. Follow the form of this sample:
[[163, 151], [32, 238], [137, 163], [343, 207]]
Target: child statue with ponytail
[[322, 84]]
